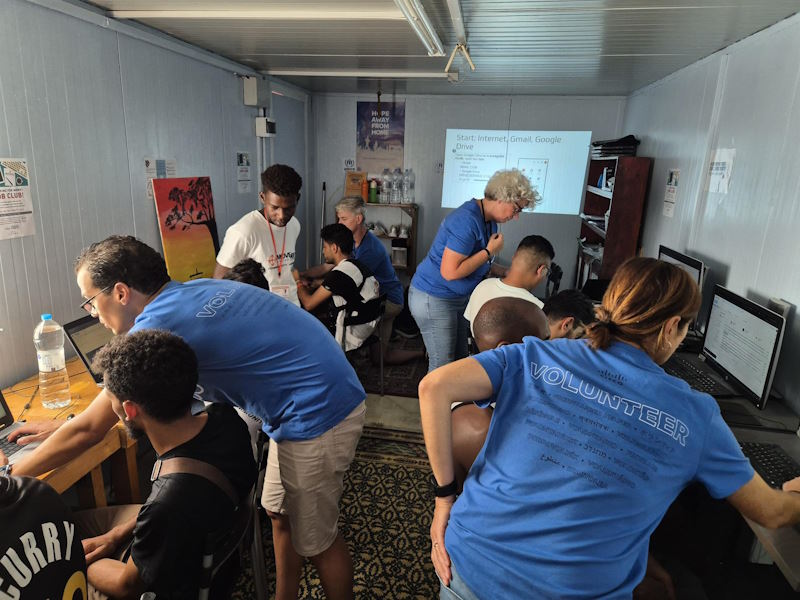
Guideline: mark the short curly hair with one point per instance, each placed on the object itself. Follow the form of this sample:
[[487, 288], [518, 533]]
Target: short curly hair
[[282, 180], [154, 368], [123, 258], [248, 270], [511, 186]]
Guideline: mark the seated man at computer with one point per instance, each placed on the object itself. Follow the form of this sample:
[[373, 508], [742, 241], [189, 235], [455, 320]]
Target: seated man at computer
[[500, 321], [346, 287], [151, 377], [246, 341], [529, 267], [568, 313]]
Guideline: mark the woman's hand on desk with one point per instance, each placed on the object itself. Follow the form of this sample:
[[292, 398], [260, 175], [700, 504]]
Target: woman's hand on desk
[[35, 431]]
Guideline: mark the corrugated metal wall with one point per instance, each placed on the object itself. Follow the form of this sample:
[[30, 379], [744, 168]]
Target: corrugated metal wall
[[85, 105], [745, 97]]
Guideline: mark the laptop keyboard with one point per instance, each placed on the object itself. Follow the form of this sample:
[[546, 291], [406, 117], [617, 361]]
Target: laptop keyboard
[[7, 447], [771, 462], [695, 377]]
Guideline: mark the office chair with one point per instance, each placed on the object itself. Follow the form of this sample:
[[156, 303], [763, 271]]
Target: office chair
[[365, 313], [553, 280]]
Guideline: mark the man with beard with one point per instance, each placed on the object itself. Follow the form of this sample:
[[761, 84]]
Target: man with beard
[[151, 377]]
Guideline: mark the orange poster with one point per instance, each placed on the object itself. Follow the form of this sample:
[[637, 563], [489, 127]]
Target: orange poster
[[185, 209]]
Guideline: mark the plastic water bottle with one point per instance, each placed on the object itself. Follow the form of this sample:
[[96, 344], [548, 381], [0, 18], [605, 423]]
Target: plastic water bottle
[[405, 190], [397, 178], [48, 337], [386, 186]]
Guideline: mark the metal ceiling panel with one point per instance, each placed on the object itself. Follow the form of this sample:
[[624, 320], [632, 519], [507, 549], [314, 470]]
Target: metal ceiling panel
[[559, 47]]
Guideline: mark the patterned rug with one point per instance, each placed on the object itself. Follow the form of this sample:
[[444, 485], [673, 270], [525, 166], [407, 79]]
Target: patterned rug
[[398, 380], [385, 520]]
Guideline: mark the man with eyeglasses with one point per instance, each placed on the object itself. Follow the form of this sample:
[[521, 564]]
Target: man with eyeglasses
[[257, 352], [530, 265]]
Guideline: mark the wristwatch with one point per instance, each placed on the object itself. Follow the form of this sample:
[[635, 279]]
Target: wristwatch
[[443, 491], [5, 470]]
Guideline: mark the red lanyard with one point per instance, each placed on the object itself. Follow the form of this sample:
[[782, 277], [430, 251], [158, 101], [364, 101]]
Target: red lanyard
[[275, 248]]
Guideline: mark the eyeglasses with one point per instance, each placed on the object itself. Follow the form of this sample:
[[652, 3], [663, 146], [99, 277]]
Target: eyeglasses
[[518, 209], [88, 305]]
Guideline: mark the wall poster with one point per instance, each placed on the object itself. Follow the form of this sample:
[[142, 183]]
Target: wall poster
[[185, 210], [16, 206], [380, 136]]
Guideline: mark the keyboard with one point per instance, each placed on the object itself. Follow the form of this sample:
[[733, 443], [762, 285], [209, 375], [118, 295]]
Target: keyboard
[[7, 447], [701, 381], [771, 462]]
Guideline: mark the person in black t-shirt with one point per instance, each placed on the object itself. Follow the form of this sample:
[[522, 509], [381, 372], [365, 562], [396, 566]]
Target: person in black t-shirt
[[152, 376], [345, 287], [40, 555]]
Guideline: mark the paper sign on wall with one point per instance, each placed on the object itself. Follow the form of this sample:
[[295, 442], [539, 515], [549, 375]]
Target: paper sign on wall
[[243, 177], [720, 169], [16, 207], [158, 168], [671, 192]]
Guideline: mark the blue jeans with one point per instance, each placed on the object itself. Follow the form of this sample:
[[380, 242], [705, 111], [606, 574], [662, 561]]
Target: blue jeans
[[457, 590], [442, 325]]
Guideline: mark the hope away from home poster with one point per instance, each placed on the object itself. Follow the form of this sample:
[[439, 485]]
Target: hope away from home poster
[[380, 135], [185, 208]]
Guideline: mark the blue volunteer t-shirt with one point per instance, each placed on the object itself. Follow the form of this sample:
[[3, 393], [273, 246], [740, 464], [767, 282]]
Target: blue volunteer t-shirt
[[463, 231], [258, 352], [585, 452], [371, 253]]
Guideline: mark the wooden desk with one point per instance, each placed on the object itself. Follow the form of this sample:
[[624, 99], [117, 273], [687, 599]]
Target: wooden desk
[[115, 445]]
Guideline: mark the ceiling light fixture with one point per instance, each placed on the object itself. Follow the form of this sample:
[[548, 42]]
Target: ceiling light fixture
[[364, 74], [415, 15]]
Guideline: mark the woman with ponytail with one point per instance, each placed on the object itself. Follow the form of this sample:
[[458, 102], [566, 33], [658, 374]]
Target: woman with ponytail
[[589, 444]]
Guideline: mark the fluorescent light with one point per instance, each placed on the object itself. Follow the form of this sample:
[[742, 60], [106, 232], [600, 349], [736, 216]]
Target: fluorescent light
[[363, 74], [415, 15]]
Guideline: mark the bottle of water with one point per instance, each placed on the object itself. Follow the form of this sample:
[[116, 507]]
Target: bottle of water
[[397, 178], [48, 337], [386, 186], [406, 191]]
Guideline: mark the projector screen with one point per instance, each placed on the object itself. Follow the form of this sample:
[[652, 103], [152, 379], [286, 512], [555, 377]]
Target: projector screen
[[554, 161]]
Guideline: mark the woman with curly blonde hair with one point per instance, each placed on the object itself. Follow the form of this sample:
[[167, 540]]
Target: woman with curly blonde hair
[[460, 256]]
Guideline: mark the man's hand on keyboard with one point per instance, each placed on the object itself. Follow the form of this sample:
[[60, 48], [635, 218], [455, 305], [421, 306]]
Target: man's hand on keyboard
[[35, 431], [793, 485]]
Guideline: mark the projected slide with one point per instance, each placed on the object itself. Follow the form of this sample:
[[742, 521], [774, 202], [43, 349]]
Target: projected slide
[[554, 161]]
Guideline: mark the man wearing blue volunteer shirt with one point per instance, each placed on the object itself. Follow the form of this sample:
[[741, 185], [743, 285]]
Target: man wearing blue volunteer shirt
[[255, 351]]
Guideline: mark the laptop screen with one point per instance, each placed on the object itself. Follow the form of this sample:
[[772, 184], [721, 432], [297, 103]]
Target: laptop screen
[[744, 338], [88, 336]]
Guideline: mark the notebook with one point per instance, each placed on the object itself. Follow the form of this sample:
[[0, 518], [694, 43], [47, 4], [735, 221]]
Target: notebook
[[88, 336]]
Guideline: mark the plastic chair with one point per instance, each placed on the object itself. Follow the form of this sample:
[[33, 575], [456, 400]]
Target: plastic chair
[[367, 312]]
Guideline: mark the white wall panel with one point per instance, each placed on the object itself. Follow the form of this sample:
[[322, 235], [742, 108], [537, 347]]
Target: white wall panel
[[427, 119], [84, 105], [745, 97]]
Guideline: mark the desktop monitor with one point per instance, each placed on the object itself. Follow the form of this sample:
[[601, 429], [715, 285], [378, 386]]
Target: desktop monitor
[[743, 341], [693, 266]]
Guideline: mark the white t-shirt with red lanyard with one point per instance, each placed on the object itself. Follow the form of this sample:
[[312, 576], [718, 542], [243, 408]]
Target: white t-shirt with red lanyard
[[254, 237]]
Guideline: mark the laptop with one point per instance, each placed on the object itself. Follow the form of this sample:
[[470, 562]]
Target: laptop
[[740, 351], [87, 335], [7, 425]]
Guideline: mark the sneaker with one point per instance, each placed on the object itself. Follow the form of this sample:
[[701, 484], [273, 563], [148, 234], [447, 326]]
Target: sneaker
[[406, 328]]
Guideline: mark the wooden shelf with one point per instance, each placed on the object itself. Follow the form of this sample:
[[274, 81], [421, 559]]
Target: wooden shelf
[[597, 229], [599, 191], [394, 205], [388, 237]]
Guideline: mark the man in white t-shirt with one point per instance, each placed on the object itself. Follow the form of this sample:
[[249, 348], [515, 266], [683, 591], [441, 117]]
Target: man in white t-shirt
[[348, 286], [529, 266], [269, 235]]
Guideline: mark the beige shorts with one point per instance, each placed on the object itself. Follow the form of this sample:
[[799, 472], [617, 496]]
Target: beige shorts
[[304, 480]]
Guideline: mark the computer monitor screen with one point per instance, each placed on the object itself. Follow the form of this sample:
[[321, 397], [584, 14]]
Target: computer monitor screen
[[88, 336], [693, 266], [743, 339]]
